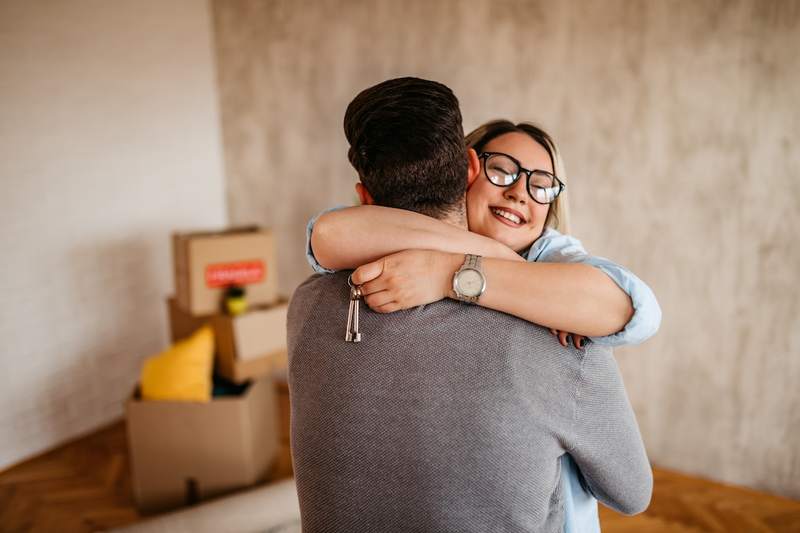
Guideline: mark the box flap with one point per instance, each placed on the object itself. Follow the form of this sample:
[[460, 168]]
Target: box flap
[[260, 333]]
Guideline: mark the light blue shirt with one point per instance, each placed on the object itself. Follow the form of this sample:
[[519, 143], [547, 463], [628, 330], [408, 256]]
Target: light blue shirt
[[580, 506]]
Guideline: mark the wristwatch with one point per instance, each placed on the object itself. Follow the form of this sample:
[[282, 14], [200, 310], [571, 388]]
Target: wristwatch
[[468, 281]]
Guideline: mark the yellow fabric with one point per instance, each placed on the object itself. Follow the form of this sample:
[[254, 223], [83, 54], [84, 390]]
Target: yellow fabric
[[183, 372]]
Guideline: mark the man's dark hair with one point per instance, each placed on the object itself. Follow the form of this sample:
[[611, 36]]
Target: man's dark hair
[[407, 144]]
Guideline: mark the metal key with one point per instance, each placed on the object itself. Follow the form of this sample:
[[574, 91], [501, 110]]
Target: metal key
[[348, 336], [356, 298], [352, 334]]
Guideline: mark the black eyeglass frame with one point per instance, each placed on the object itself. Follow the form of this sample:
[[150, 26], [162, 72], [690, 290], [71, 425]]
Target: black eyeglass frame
[[561, 185]]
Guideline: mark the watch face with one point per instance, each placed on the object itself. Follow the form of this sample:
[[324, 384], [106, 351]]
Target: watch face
[[470, 282]]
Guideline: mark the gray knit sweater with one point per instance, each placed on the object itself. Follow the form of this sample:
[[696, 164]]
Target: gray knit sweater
[[450, 417]]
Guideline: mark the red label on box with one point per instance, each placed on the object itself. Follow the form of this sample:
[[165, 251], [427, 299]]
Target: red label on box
[[239, 273]]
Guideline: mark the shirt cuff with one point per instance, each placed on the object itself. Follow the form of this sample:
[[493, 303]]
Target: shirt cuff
[[646, 317], [312, 260]]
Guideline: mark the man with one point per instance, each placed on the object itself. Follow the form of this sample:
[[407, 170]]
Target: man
[[446, 417]]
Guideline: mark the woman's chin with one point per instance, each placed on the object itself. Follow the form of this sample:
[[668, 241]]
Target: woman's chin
[[502, 236], [496, 230], [517, 239]]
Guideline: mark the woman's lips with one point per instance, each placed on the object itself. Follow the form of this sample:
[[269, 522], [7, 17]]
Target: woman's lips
[[496, 213]]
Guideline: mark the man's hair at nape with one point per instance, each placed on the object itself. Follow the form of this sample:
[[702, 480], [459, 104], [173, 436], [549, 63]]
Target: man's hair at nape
[[407, 145]]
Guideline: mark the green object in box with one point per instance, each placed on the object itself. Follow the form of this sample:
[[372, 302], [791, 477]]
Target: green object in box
[[224, 387]]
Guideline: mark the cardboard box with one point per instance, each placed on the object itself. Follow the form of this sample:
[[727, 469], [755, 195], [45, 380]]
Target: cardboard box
[[250, 345], [181, 323], [183, 452], [208, 262]]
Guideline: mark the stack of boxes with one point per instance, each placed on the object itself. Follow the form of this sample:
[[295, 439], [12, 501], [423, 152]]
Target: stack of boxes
[[182, 452]]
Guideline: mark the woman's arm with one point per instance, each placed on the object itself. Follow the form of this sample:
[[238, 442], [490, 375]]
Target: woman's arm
[[562, 287], [570, 297], [348, 238]]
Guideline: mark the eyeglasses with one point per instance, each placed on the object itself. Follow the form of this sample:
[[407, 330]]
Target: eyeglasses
[[504, 171]]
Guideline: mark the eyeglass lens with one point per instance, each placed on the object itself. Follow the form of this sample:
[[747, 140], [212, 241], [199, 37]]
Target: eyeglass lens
[[504, 171]]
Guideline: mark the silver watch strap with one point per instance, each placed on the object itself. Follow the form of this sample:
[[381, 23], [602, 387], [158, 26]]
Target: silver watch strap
[[470, 262]]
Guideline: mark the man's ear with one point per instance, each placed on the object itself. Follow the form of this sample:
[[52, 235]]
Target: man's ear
[[473, 166], [363, 194]]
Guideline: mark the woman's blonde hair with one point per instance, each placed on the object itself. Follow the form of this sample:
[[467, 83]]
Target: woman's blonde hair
[[558, 214]]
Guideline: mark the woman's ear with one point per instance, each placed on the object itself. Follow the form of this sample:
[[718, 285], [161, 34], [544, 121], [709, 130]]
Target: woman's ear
[[363, 194], [473, 166]]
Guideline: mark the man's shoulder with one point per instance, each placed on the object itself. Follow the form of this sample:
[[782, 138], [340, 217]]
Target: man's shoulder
[[319, 297], [316, 281], [321, 282], [318, 287]]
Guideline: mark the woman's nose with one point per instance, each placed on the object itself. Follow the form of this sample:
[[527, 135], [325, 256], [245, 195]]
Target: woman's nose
[[517, 192]]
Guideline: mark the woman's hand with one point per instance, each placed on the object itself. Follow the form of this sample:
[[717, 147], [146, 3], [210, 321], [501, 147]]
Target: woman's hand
[[407, 279], [578, 340]]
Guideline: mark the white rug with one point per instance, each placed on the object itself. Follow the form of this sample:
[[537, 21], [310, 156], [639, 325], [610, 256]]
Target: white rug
[[272, 508]]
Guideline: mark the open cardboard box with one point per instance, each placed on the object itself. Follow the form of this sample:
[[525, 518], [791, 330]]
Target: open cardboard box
[[183, 452], [206, 263], [248, 346]]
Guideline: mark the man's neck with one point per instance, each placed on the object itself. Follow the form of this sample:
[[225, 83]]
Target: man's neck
[[458, 220], [456, 216]]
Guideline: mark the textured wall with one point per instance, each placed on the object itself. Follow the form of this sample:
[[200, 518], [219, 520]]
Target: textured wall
[[109, 139], [679, 124]]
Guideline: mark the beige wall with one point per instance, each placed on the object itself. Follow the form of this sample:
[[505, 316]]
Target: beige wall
[[679, 123], [109, 140]]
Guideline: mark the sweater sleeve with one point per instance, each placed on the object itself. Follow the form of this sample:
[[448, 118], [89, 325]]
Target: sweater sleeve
[[553, 247], [605, 442]]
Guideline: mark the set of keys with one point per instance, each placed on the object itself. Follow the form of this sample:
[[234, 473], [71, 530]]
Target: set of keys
[[353, 335]]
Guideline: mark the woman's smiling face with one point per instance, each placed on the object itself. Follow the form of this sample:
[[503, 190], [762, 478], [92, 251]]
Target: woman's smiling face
[[508, 214]]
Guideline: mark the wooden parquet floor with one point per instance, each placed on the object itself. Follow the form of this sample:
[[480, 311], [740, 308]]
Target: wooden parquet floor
[[84, 486]]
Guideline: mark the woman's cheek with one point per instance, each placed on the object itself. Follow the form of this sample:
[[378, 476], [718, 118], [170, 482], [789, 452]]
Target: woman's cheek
[[541, 216]]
